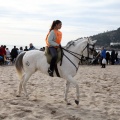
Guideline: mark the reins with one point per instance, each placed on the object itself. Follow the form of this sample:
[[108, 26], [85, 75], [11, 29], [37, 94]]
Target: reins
[[75, 55]]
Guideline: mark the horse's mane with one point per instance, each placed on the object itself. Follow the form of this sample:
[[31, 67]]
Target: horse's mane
[[72, 42], [69, 44]]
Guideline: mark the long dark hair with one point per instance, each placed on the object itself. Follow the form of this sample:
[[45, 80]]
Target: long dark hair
[[55, 22]]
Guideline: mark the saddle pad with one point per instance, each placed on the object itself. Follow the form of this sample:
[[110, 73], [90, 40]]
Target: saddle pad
[[49, 57]]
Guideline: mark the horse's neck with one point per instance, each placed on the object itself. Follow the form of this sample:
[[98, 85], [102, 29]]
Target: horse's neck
[[79, 47], [77, 51]]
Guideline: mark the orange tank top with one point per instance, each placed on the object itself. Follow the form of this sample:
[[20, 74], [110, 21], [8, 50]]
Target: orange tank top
[[58, 35]]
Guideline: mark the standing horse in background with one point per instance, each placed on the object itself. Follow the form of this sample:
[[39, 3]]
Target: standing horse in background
[[29, 62]]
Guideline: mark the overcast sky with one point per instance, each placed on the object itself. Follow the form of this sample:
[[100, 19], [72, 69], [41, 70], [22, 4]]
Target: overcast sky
[[28, 21]]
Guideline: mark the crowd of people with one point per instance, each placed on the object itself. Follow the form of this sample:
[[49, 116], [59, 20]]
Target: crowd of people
[[104, 57], [8, 57]]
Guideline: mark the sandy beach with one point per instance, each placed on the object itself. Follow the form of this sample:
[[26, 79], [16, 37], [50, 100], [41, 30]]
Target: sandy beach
[[99, 95]]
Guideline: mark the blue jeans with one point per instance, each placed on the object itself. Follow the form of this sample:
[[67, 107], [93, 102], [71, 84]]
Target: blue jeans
[[54, 54]]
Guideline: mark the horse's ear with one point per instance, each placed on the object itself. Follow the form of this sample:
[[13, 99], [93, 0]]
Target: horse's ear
[[94, 41]]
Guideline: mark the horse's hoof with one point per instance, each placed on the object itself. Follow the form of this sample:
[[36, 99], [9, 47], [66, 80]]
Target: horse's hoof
[[17, 95], [77, 102], [68, 103]]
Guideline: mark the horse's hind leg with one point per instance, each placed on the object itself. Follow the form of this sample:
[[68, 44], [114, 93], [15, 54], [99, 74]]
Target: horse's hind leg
[[66, 91], [20, 86], [26, 78]]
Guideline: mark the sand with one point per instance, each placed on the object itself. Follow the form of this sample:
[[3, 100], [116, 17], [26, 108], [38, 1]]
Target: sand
[[99, 95]]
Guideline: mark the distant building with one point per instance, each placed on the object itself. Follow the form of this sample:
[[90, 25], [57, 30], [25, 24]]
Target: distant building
[[114, 44]]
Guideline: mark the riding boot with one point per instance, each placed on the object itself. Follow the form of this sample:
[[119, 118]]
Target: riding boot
[[51, 68], [50, 72]]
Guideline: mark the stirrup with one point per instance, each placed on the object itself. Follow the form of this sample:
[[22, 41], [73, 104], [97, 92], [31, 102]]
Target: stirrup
[[50, 72]]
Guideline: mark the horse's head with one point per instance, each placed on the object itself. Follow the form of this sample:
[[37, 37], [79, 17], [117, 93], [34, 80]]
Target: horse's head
[[88, 50], [91, 45], [83, 49]]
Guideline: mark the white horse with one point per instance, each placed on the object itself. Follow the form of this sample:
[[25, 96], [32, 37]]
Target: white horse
[[29, 62]]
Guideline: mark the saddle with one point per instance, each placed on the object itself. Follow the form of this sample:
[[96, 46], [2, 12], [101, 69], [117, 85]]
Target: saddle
[[49, 57]]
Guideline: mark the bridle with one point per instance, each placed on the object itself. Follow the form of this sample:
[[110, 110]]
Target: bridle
[[81, 56], [88, 48]]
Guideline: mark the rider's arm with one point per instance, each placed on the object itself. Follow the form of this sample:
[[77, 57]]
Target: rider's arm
[[52, 38]]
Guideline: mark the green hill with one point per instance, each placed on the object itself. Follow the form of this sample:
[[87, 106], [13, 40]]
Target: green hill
[[104, 39]]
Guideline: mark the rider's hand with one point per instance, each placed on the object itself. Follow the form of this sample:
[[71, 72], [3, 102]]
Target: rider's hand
[[60, 46]]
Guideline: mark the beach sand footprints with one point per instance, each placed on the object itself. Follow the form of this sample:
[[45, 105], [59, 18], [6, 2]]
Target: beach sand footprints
[[3, 116], [20, 110], [15, 109], [99, 96]]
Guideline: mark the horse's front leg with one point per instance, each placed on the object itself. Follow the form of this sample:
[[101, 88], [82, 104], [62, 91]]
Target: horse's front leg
[[66, 91], [71, 80]]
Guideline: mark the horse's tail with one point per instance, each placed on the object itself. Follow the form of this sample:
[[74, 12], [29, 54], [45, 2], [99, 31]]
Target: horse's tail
[[19, 64]]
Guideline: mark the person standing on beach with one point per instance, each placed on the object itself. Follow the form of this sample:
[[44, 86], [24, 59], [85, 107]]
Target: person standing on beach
[[1, 54], [8, 54], [103, 56], [116, 57], [21, 50], [107, 57], [14, 54], [113, 57], [53, 41], [26, 49], [31, 47]]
